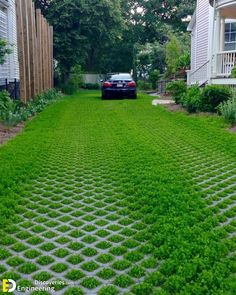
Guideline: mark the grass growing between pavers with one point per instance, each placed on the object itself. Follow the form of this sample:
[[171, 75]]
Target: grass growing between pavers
[[119, 197]]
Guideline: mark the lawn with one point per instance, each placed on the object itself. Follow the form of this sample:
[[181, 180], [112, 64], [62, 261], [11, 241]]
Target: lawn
[[119, 197]]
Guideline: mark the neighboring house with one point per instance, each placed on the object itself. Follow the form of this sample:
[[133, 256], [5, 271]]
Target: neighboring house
[[8, 31], [213, 42]]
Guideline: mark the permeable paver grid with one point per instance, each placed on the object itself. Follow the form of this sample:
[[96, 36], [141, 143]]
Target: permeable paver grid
[[124, 191]]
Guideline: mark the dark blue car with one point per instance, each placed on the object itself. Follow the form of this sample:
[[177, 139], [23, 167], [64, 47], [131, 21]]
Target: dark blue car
[[119, 85]]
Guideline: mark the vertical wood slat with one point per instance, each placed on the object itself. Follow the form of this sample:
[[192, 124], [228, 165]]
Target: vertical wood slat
[[35, 50], [26, 47], [50, 50], [39, 48], [31, 48], [21, 55]]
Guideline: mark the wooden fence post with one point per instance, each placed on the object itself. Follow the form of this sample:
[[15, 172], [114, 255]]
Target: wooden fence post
[[35, 50], [21, 55]]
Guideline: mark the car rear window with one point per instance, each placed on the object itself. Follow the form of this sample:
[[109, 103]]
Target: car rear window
[[120, 77]]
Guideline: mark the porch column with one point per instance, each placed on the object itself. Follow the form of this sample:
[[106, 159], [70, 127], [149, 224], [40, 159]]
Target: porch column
[[222, 34], [217, 38]]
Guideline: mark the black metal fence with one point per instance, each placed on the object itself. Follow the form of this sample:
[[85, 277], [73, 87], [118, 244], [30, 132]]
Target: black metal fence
[[161, 86], [12, 86]]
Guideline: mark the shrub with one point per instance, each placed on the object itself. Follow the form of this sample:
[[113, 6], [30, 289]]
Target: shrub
[[192, 99], [91, 86], [154, 77], [143, 85], [228, 110], [75, 81], [5, 100], [177, 89], [233, 72], [9, 113], [212, 96], [13, 112]]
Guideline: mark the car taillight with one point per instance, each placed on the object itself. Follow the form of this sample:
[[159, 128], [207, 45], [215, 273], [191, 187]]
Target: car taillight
[[132, 84], [107, 84]]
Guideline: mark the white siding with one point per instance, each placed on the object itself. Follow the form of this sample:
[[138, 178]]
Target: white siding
[[12, 37], [201, 35], [202, 32], [8, 31], [3, 35]]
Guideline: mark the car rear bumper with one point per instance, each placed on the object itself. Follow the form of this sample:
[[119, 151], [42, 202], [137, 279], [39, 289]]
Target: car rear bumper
[[119, 91]]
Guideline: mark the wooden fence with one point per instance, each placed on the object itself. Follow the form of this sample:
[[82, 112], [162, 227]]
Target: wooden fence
[[35, 50]]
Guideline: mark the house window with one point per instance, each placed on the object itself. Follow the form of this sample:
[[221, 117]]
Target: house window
[[230, 36]]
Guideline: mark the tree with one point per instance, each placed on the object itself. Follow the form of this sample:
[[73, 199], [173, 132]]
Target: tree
[[104, 36], [43, 5], [154, 77], [83, 30], [173, 53], [154, 18]]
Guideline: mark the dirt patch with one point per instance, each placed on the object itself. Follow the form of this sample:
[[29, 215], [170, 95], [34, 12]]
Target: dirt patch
[[173, 107], [233, 129], [166, 96], [7, 133]]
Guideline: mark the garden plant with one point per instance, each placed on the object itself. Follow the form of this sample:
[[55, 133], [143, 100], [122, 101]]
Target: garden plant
[[14, 111], [119, 197]]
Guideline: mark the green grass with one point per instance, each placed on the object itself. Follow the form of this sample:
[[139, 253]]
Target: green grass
[[15, 261], [90, 283], [27, 268], [74, 275], [127, 195], [45, 260], [59, 267], [31, 254], [75, 259], [106, 273]]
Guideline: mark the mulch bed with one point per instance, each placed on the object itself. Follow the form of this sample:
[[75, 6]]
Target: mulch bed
[[173, 107], [7, 133], [233, 129]]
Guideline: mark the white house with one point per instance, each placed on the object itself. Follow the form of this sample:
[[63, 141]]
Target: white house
[[8, 32], [213, 42]]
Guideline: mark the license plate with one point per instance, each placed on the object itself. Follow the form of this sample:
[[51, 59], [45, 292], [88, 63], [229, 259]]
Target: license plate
[[119, 85]]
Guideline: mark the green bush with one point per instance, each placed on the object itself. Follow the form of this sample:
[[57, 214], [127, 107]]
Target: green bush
[[212, 96], [233, 72], [13, 112], [5, 100], [154, 77], [75, 81], [192, 99], [9, 110], [144, 85], [91, 86], [228, 110], [177, 89]]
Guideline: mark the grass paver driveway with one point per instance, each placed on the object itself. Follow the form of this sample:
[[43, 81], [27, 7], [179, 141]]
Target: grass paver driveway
[[119, 197]]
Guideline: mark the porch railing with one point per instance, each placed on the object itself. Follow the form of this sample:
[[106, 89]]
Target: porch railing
[[199, 76], [226, 60]]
